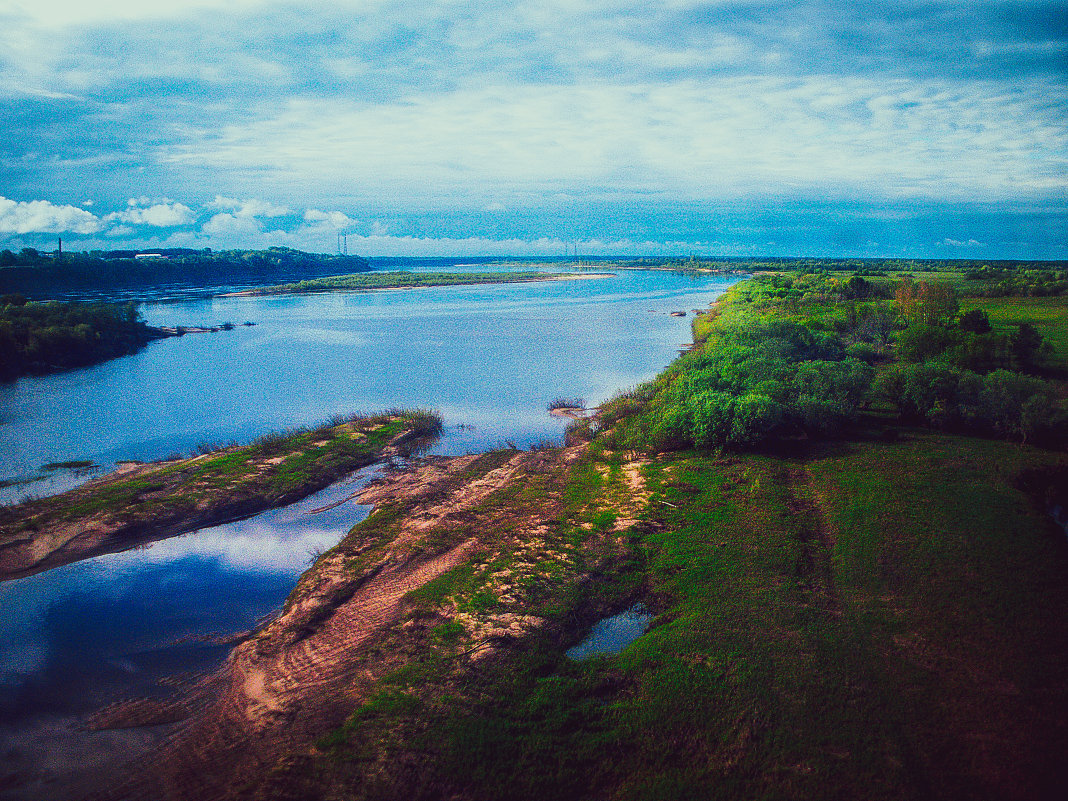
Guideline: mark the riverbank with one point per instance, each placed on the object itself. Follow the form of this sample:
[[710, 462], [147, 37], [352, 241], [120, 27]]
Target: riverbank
[[140, 503], [408, 280], [876, 611]]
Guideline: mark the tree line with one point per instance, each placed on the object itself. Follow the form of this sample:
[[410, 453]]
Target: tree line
[[37, 338], [39, 274], [784, 356]]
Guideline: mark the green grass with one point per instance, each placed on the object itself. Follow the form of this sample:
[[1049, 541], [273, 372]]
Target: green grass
[[309, 459], [815, 620], [1049, 315]]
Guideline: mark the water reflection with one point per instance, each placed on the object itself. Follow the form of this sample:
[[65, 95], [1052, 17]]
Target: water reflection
[[612, 634], [87, 634]]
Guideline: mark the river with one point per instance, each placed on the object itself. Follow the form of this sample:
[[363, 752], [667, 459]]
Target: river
[[489, 358]]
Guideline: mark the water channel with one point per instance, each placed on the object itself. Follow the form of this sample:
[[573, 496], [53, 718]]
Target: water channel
[[489, 358]]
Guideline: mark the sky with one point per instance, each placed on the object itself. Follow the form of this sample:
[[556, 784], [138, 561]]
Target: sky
[[514, 127]]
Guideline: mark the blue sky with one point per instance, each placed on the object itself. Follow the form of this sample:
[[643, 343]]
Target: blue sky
[[835, 127]]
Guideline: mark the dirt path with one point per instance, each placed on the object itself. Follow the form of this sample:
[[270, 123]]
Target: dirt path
[[305, 672], [816, 568]]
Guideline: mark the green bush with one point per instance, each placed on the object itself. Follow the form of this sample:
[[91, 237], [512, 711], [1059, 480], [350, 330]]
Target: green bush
[[1002, 402]]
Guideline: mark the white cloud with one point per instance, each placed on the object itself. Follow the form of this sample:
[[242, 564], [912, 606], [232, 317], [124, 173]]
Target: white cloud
[[59, 13], [252, 207], [231, 225], [162, 215], [43, 217], [328, 219], [692, 140]]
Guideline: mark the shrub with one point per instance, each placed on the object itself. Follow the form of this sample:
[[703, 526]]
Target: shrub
[[975, 321], [921, 341], [862, 351], [1003, 402], [1018, 405]]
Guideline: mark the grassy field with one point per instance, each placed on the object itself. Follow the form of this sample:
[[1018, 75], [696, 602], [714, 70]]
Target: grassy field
[[860, 619], [1049, 315]]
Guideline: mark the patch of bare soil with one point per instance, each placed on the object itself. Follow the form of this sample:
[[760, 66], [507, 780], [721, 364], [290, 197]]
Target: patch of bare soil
[[572, 412], [307, 670], [638, 498]]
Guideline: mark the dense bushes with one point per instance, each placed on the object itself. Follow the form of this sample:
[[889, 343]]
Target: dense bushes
[[751, 380], [42, 337], [1020, 281], [1002, 402], [764, 368]]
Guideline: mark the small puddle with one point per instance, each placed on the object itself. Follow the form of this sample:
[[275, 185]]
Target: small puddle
[[1060, 517], [612, 634]]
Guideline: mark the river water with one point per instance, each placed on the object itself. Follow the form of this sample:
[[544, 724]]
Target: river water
[[489, 358]]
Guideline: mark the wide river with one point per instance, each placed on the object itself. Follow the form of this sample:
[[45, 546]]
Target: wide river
[[488, 358]]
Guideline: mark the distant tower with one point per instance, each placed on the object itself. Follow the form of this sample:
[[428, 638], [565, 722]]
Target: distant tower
[[59, 252]]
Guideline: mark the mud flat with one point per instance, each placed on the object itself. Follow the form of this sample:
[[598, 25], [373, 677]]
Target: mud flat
[[140, 503]]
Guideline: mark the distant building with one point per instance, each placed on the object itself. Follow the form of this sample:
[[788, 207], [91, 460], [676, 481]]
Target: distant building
[[150, 256]]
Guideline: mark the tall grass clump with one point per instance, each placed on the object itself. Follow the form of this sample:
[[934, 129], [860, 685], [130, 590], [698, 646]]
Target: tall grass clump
[[425, 423]]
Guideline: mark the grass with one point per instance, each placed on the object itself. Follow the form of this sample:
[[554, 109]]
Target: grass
[[71, 464], [567, 403], [814, 617], [274, 469], [1048, 315]]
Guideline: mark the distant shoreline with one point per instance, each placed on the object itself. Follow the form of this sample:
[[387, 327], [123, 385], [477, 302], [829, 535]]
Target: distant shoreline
[[365, 282]]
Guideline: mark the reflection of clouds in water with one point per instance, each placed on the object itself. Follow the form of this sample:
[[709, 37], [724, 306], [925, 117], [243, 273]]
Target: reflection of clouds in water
[[279, 541], [24, 643], [276, 541], [21, 659], [252, 547]]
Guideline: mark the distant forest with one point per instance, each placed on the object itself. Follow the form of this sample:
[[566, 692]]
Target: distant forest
[[38, 338], [974, 268], [35, 274]]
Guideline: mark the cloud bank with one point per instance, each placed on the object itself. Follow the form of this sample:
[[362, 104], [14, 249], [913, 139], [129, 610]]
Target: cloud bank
[[824, 125]]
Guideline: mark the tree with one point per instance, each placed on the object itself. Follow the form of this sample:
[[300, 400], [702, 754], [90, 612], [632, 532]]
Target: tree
[[1027, 346], [926, 302], [975, 321]]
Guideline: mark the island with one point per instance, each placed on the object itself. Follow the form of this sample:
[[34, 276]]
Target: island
[[140, 503], [408, 280]]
